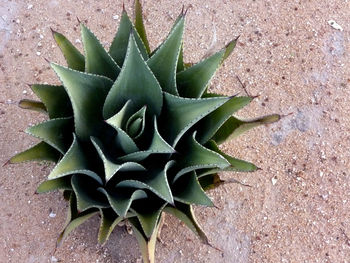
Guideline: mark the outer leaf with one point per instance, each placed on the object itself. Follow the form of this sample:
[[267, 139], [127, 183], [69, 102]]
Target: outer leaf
[[139, 26], [188, 190], [55, 99], [74, 58], [97, 60], [193, 81], [235, 164], [233, 127], [209, 125], [53, 132], [32, 105], [229, 48], [185, 213], [41, 152], [164, 61], [109, 220], [72, 212], [147, 246], [154, 180], [86, 192], [149, 217], [87, 93], [180, 114], [210, 181], [73, 162], [112, 168], [75, 223], [142, 88], [180, 62], [122, 199], [198, 157], [119, 45], [62, 183]]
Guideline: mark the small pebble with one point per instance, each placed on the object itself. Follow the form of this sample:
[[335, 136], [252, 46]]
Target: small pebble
[[115, 17], [24, 92], [38, 53], [54, 259], [274, 180], [52, 215], [30, 6]]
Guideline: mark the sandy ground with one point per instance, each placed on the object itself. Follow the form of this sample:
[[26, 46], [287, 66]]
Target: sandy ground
[[298, 206]]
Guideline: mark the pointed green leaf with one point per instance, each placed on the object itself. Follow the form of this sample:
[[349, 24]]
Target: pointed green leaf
[[234, 127], [40, 152], [198, 157], [210, 181], [121, 117], [72, 212], [142, 88], [87, 93], [235, 164], [125, 142], [155, 180], [188, 190], [158, 146], [139, 26], [75, 223], [54, 132], [180, 62], [192, 82], [229, 48], [62, 183], [209, 125], [149, 217], [97, 59], [121, 199], [55, 99], [163, 62], [180, 114], [32, 105], [109, 220], [112, 168], [136, 123], [185, 213], [119, 44], [73, 162], [74, 58], [147, 245], [85, 189]]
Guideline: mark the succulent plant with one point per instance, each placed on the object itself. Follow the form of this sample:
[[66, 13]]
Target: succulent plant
[[135, 133]]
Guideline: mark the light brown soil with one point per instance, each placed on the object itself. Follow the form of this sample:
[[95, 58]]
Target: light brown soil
[[298, 206]]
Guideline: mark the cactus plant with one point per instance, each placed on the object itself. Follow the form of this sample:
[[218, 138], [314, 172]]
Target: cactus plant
[[135, 133]]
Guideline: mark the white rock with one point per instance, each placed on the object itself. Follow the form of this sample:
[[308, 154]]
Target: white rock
[[335, 25], [274, 180], [30, 6], [54, 259], [115, 17], [52, 215]]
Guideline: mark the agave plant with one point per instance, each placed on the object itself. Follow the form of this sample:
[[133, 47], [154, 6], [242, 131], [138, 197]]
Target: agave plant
[[135, 133]]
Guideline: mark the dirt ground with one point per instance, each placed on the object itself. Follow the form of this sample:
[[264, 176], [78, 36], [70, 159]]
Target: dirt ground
[[289, 53]]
